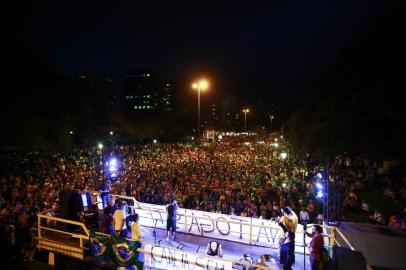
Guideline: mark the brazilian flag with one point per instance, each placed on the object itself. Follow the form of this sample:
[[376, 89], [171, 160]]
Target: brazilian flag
[[126, 254], [100, 246]]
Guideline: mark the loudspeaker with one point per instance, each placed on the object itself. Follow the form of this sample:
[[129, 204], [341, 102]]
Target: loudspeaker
[[344, 258], [64, 203]]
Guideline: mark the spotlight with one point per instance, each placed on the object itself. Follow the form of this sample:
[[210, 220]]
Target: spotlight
[[113, 167], [113, 162]]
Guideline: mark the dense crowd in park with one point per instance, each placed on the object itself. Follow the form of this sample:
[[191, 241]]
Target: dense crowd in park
[[246, 179]]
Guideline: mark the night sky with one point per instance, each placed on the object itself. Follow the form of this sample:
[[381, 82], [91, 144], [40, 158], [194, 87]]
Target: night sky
[[276, 50]]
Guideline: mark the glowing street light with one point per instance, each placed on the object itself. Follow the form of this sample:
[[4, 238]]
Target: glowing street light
[[111, 133], [284, 155], [199, 86], [271, 117], [100, 146], [71, 132], [155, 141], [245, 111]]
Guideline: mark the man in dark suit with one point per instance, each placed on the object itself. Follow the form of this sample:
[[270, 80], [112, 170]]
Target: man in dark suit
[[86, 199]]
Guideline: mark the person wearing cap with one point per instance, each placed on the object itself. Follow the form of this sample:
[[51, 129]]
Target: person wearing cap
[[289, 221], [287, 250]]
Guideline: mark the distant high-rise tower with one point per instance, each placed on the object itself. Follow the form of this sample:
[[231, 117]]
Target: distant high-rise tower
[[100, 84], [167, 98], [142, 91]]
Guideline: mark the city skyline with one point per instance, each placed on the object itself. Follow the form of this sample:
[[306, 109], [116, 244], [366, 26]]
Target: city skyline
[[272, 51]]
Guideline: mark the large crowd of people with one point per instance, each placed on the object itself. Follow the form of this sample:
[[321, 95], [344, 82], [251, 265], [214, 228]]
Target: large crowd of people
[[246, 179]]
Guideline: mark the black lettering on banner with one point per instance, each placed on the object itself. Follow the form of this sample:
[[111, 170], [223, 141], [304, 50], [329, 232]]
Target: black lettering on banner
[[261, 233], [197, 262], [194, 223], [209, 263], [152, 255], [203, 225], [217, 267], [273, 235], [241, 220], [171, 257], [163, 255], [185, 261], [178, 218], [228, 224]]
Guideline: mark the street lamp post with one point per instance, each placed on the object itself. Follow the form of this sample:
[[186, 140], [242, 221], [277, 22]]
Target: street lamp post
[[271, 117], [199, 86], [100, 171], [245, 111]]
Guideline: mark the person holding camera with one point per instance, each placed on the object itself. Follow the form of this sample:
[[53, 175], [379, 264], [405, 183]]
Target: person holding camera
[[289, 221], [287, 248]]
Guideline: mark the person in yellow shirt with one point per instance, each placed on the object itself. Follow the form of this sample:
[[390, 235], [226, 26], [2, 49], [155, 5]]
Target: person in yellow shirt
[[289, 220], [135, 228]]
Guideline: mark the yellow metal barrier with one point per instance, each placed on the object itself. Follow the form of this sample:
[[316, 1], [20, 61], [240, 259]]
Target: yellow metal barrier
[[49, 237], [58, 238]]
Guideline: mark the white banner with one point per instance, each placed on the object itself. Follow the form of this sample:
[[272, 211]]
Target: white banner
[[161, 257], [246, 230]]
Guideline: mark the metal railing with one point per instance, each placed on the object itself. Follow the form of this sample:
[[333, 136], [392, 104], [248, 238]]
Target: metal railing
[[155, 213], [53, 235]]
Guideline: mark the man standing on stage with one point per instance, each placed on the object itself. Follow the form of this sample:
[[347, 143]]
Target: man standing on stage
[[119, 220], [289, 221], [171, 209], [86, 199], [105, 192], [315, 246]]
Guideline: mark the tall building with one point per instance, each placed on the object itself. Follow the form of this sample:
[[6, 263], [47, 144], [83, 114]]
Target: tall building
[[100, 84], [167, 97], [213, 116], [141, 90]]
